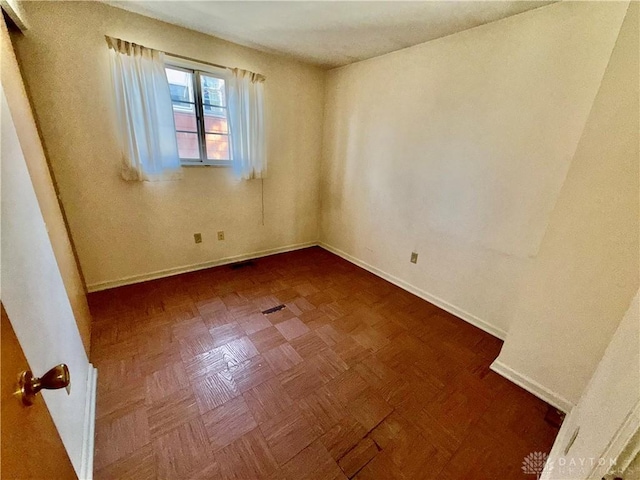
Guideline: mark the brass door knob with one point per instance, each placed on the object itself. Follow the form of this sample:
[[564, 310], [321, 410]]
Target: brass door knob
[[57, 377]]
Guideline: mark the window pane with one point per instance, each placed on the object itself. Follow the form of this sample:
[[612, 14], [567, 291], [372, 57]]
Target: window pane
[[212, 91], [185, 118], [188, 145], [180, 85], [215, 124], [184, 107], [217, 147]]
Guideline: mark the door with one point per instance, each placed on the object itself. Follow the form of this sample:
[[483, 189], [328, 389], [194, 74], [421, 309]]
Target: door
[[35, 295], [29, 431]]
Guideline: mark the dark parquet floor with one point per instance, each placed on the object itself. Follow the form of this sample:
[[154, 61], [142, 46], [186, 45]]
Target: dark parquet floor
[[353, 378]]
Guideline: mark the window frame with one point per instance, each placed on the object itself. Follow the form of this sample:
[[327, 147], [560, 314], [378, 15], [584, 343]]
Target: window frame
[[197, 69]]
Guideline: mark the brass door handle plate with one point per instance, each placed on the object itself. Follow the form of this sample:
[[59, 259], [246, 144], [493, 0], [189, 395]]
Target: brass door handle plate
[[29, 386]]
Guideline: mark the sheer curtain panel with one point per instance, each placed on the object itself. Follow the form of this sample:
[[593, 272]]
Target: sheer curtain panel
[[144, 112], [246, 118]]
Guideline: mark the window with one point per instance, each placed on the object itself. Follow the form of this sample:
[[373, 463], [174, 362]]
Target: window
[[199, 100]]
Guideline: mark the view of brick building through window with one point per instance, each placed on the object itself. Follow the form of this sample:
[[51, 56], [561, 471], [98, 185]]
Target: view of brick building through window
[[217, 145], [189, 130]]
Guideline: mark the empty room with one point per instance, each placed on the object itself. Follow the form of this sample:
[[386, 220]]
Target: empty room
[[320, 240]]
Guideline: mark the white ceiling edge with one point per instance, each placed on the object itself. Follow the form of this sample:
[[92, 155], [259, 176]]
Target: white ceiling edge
[[328, 33]]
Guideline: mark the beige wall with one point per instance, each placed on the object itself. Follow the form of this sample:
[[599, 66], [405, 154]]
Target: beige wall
[[457, 149], [586, 273], [124, 229]]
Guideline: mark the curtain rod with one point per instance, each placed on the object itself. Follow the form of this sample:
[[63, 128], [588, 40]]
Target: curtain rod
[[258, 76], [182, 57]]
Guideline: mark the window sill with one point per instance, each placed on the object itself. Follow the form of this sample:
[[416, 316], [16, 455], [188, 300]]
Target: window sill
[[202, 164]]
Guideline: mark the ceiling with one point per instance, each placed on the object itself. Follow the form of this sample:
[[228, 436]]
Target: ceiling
[[328, 33]]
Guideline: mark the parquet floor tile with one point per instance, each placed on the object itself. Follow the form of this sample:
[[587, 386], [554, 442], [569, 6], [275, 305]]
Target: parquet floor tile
[[358, 457], [268, 400], [322, 409], [247, 457], [352, 378], [174, 409], [282, 358], [288, 433], [117, 437], [342, 437], [312, 463], [228, 422], [252, 372], [183, 451], [267, 339], [140, 465], [214, 390]]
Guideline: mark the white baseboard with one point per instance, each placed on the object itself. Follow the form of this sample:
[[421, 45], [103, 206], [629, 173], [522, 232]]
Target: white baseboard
[[438, 302], [96, 287], [533, 387], [86, 467]]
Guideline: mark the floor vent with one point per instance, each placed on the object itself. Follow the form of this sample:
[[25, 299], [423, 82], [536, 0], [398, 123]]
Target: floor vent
[[236, 266], [273, 309]]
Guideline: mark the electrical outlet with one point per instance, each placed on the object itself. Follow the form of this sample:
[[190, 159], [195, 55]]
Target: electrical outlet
[[221, 235], [414, 257], [197, 237]]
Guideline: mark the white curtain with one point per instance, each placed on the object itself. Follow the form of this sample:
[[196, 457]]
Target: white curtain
[[246, 118], [144, 112]]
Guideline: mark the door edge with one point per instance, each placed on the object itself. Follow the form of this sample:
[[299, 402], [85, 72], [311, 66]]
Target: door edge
[[88, 437]]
